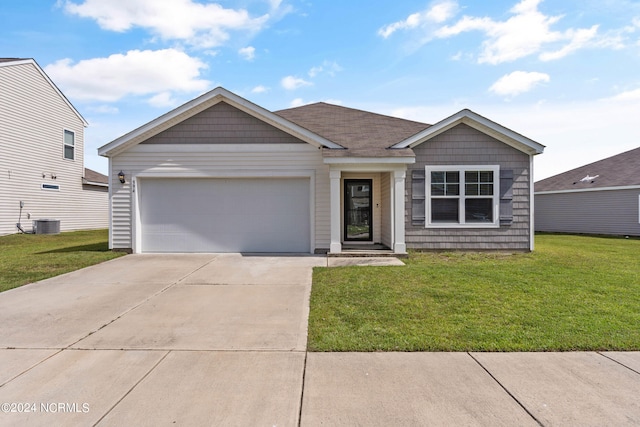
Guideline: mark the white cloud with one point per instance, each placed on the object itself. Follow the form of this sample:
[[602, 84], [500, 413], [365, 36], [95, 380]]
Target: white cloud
[[202, 25], [578, 39], [104, 109], [518, 82], [296, 103], [437, 13], [631, 95], [163, 99], [260, 89], [329, 67], [137, 73], [293, 83], [248, 53], [526, 32]]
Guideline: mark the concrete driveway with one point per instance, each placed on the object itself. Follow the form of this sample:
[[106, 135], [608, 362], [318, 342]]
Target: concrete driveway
[[220, 340]]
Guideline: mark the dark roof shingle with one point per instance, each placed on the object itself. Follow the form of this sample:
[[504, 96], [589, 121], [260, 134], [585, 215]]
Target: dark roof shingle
[[93, 176], [620, 170], [362, 133]]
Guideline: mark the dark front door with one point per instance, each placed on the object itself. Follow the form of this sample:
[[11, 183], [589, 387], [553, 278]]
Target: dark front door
[[357, 210]]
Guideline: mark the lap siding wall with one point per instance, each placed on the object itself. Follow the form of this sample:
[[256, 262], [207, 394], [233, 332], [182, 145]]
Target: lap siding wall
[[171, 160], [614, 212]]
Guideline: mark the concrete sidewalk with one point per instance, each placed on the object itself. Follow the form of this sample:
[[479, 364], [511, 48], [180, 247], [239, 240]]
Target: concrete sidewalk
[[209, 339]]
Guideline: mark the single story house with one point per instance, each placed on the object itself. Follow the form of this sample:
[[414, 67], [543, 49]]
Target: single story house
[[599, 198], [221, 174]]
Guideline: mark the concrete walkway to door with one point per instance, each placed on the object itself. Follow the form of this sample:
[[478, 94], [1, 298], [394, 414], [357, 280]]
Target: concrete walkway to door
[[209, 339]]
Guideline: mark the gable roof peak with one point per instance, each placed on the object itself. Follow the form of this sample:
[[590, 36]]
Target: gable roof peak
[[480, 123], [201, 103], [9, 62]]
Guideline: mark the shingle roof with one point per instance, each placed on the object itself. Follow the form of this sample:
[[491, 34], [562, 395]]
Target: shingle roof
[[93, 176], [616, 171], [363, 133]]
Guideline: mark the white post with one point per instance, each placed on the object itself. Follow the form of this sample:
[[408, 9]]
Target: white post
[[532, 225], [336, 245], [399, 245]]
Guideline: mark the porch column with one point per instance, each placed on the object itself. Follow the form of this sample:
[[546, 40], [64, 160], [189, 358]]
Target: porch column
[[336, 245], [399, 245]]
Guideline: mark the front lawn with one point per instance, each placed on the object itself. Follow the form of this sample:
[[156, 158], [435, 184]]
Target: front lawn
[[572, 293], [27, 258]]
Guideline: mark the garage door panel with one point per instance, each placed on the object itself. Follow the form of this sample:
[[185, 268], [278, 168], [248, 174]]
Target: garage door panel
[[225, 215]]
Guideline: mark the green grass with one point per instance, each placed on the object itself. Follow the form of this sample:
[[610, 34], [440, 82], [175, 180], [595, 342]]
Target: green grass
[[572, 293], [26, 258]]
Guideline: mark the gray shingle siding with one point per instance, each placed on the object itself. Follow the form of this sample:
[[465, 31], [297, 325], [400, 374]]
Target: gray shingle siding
[[464, 145], [222, 124]]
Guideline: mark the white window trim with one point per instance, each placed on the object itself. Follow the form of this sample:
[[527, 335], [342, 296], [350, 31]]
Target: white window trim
[[462, 169], [42, 187], [64, 144]]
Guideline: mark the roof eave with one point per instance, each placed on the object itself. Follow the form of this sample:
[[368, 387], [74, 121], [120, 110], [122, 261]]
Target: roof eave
[[97, 184], [586, 190], [200, 104]]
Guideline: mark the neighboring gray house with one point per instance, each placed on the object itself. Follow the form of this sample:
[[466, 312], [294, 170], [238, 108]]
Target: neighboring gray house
[[42, 160], [598, 198], [221, 174]]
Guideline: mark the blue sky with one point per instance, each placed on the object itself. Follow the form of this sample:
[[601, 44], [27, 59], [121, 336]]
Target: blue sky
[[565, 73]]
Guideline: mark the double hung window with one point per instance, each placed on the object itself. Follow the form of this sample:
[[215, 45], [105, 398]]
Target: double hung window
[[462, 196], [69, 145]]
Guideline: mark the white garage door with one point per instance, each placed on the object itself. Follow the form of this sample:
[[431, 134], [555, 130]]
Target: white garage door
[[225, 215]]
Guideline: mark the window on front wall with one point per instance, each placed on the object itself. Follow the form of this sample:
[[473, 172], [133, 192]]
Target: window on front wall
[[69, 144], [462, 196]]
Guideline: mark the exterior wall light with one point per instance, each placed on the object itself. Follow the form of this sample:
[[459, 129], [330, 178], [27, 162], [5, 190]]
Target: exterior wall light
[[121, 176]]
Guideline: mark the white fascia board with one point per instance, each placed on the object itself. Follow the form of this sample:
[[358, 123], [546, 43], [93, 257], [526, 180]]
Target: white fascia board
[[587, 190], [480, 123], [51, 83], [97, 184], [200, 104], [368, 160], [224, 148], [368, 167]]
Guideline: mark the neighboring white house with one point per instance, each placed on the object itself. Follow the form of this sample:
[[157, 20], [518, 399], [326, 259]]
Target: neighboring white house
[[42, 160], [221, 174], [599, 198]]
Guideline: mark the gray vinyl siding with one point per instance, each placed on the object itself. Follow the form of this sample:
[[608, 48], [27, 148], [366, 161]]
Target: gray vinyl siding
[[222, 124], [385, 212], [167, 160], [612, 212], [33, 117], [464, 145]]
